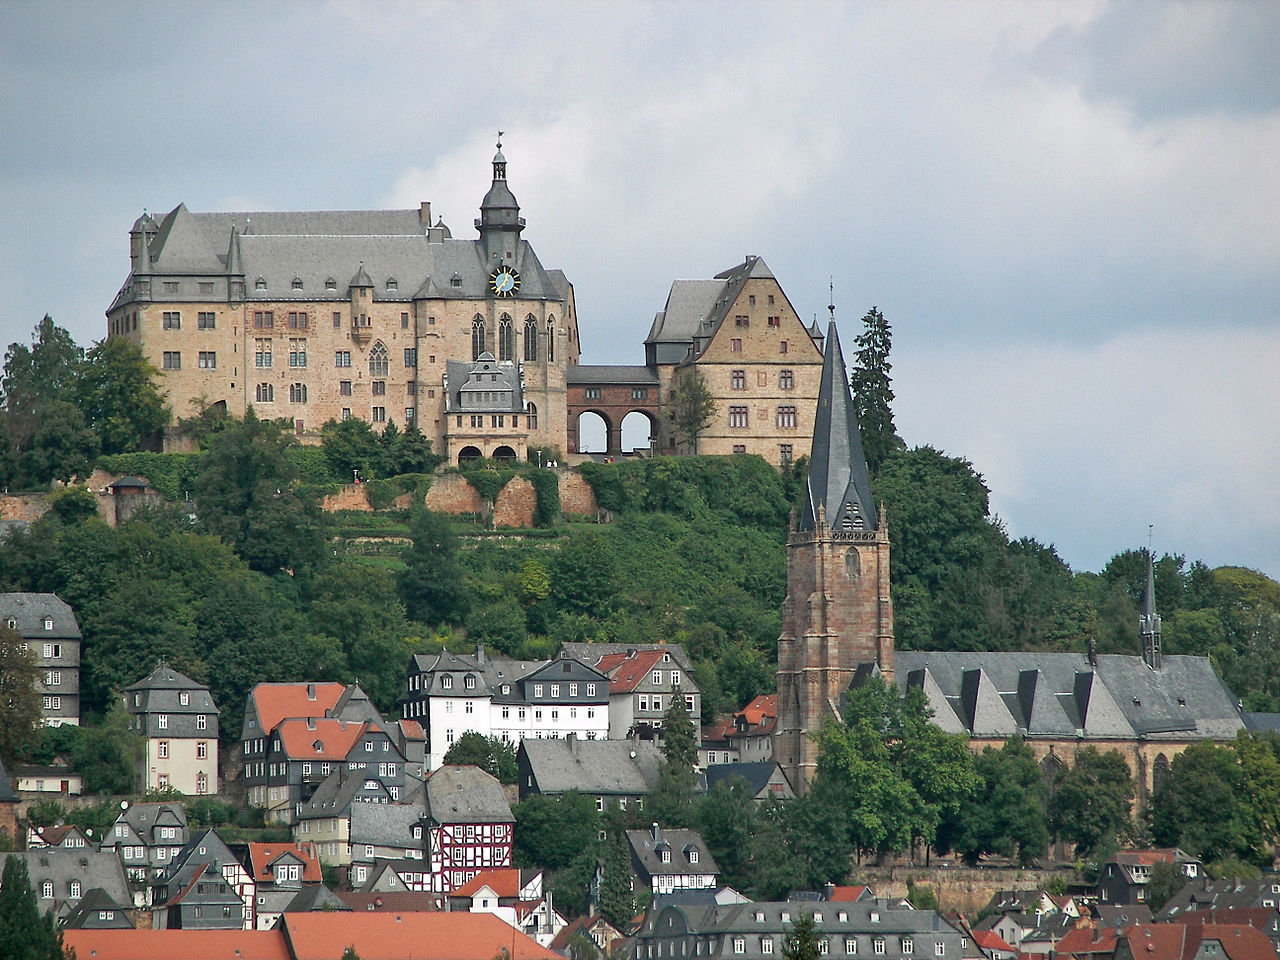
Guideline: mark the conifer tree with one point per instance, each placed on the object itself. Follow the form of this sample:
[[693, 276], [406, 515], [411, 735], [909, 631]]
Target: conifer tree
[[24, 934], [672, 802], [873, 390], [617, 902], [802, 941]]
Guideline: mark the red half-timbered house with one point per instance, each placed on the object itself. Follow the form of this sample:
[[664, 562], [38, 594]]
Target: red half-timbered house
[[468, 826]]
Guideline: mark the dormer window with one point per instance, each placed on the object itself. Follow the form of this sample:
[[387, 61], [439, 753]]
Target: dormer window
[[184, 698], [297, 283], [12, 624], [393, 284], [48, 623], [455, 281], [260, 284], [446, 682], [469, 682], [666, 854]]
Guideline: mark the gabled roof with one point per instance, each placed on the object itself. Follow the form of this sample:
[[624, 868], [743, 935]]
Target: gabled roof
[[385, 825], [503, 882], [838, 489], [164, 677], [264, 856], [594, 767], [763, 707], [680, 846], [851, 894], [319, 738], [394, 901], [338, 792], [179, 944], [30, 610], [628, 672], [388, 936], [990, 940], [756, 775], [91, 905], [465, 794], [314, 896], [274, 702], [142, 817], [591, 653]]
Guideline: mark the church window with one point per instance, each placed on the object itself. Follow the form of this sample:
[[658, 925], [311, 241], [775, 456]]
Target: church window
[[738, 416], [532, 411], [530, 338], [477, 337], [206, 320], [172, 360], [738, 380], [787, 417], [265, 393], [786, 380], [172, 320], [297, 393], [379, 415], [551, 339], [506, 337], [735, 346], [378, 362]]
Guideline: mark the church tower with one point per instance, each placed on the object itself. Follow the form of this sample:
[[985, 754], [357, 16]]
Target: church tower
[[837, 614], [1149, 622], [500, 223]]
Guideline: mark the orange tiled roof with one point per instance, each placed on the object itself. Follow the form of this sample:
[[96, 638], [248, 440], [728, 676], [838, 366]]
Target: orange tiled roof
[[336, 737], [278, 701], [990, 940], [761, 708], [847, 894], [625, 673], [178, 944], [263, 855], [412, 729], [1145, 857], [504, 882], [391, 936]]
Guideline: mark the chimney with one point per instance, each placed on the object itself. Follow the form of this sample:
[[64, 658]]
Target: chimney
[[829, 892], [657, 832], [311, 691], [480, 654], [424, 213], [573, 744]]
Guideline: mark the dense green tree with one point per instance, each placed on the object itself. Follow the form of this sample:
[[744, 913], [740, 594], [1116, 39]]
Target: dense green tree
[[351, 445], [873, 389], [672, 801], [584, 575], [20, 711], [431, 585], [246, 493], [500, 625], [775, 865], [1203, 807], [117, 393], [62, 446], [109, 754], [412, 452], [24, 933], [495, 757], [692, 408], [1091, 800], [618, 904], [1007, 818], [1167, 879], [551, 831], [36, 376], [801, 942], [726, 821]]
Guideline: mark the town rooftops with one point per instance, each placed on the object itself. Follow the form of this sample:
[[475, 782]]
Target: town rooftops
[[504, 882], [274, 702], [591, 653], [320, 738], [264, 856], [676, 852], [179, 944], [626, 671], [594, 767], [397, 936], [29, 612], [465, 794]]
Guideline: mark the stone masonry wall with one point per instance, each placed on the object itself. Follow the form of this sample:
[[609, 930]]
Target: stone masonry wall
[[516, 504], [576, 496]]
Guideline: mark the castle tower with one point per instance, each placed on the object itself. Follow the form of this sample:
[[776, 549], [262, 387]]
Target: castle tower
[[1149, 622], [500, 223], [837, 613]]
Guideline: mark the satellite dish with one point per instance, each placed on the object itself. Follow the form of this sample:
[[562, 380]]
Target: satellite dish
[[124, 804]]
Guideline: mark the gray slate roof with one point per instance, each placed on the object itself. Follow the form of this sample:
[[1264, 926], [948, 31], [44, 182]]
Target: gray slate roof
[[85, 914], [314, 896], [466, 794], [385, 824], [838, 481], [647, 846], [93, 868], [30, 611], [756, 774], [603, 373], [1061, 695], [591, 653], [594, 767]]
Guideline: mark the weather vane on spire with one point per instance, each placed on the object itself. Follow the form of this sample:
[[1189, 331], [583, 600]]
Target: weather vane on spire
[[831, 291], [500, 133]]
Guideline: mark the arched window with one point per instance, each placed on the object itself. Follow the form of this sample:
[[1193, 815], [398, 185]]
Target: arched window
[[297, 393], [1159, 771], [506, 334], [378, 363], [530, 338], [477, 337], [531, 412], [266, 393], [551, 339]]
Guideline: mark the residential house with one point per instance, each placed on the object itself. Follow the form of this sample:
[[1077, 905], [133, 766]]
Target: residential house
[[514, 896], [279, 872], [68, 836], [1203, 894], [1125, 876], [147, 837], [641, 685], [48, 629], [1193, 941], [179, 721], [753, 729], [408, 875], [994, 945], [664, 861], [324, 820], [1265, 919], [385, 832], [595, 928], [388, 901], [763, 779], [511, 700], [44, 779], [468, 824], [268, 704], [61, 877], [617, 773], [205, 886], [757, 931], [98, 910]]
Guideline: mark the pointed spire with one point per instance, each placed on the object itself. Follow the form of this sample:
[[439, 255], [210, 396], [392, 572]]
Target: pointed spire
[[1149, 623], [839, 487]]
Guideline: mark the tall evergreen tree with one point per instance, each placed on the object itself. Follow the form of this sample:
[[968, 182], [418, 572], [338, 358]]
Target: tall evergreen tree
[[802, 941], [24, 934], [617, 901], [672, 802], [431, 583], [873, 390]]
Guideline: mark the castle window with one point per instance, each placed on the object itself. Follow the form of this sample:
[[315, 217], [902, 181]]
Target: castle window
[[739, 448], [411, 388], [787, 417], [738, 380], [639, 393], [171, 360], [379, 415], [455, 281], [208, 360], [265, 393], [264, 319], [410, 356], [775, 322], [297, 283], [297, 352], [378, 362], [260, 284], [409, 413], [786, 380], [530, 338], [551, 339], [378, 388], [738, 416], [735, 346], [205, 320], [331, 284], [782, 347], [342, 358], [172, 320], [346, 413], [742, 321], [784, 453], [532, 415], [170, 286], [506, 338], [477, 337], [297, 393], [297, 320], [262, 352]]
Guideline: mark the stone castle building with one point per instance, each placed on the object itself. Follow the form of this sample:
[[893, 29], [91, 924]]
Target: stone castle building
[[837, 615], [383, 315]]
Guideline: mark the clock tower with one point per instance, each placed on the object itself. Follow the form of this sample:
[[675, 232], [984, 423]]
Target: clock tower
[[500, 222]]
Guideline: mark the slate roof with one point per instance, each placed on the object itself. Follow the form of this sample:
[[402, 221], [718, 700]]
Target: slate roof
[[160, 693], [29, 610], [385, 825], [92, 868], [605, 374], [591, 653], [85, 914], [142, 817], [647, 847], [466, 794], [315, 896], [1205, 894], [838, 482], [756, 775], [999, 695], [594, 767], [338, 793]]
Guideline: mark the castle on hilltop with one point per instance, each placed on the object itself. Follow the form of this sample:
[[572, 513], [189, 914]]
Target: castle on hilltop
[[384, 315]]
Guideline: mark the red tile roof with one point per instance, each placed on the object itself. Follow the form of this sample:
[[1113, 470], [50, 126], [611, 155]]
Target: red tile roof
[[178, 944], [625, 673], [1086, 942], [1177, 941], [761, 708], [420, 936], [990, 940], [263, 855], [503, 882], [412, 729], [847, 894], [276, 701], [336, 737]]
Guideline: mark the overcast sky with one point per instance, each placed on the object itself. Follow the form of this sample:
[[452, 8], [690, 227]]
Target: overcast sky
[[1070, 213]]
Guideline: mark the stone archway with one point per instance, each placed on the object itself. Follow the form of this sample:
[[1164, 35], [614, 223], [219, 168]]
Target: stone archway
[[467, 454], [504, 453], [639, 431]]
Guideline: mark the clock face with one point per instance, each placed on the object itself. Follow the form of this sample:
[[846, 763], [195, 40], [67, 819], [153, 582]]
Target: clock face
[[504, 282]]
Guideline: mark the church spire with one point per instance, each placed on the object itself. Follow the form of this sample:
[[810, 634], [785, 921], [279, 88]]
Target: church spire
[[1149, 622], [500, 222], [839, 487]]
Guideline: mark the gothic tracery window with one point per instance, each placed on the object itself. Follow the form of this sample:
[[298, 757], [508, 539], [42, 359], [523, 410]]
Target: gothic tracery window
[[477, 337], [378, 363], [506, 337], [530, 338]]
